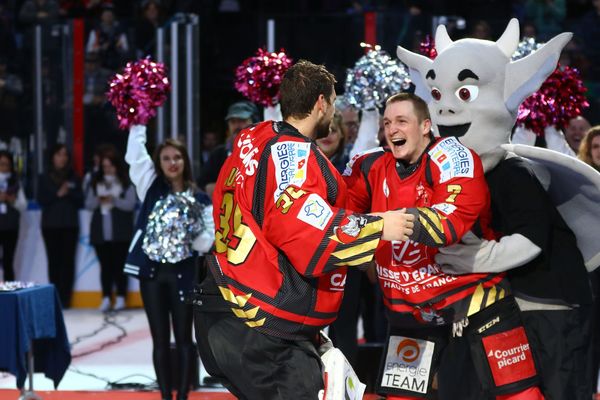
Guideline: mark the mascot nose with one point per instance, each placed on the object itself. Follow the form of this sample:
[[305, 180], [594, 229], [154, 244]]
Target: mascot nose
[[443, 111]]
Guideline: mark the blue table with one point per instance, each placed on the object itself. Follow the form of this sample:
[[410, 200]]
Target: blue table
[[31, 322]]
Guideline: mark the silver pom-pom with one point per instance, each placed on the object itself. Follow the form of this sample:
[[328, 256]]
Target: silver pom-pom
[[173, 224], [374, 78], [526, 46]]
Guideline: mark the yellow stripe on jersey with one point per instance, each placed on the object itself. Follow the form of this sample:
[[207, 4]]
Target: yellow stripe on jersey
[[476, 300], [239, 313], [355, 250], [434, 218], [254, 324], [432, 233], [491, 297], [501, 294], [232, 298]]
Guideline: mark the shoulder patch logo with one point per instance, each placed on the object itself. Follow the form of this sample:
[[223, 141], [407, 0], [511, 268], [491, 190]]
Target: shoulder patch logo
[[315, 211], [453, 159], [291, 163]]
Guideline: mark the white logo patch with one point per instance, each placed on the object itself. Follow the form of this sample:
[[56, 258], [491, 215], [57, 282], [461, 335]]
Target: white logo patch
[[453, 159], [407, 364], [290, 159], [445, 208], [315, 211], [386, 189]]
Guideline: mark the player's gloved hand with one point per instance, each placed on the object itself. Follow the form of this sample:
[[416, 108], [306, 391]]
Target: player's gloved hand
[[475, 255], [397, 224]]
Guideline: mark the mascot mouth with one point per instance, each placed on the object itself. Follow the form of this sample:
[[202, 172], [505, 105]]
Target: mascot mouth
[[453, 130]]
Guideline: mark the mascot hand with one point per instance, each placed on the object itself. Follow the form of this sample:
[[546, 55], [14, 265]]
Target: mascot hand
[[475, 255]]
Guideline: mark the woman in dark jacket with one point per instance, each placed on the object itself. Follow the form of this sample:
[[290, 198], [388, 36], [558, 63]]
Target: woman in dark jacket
[[60, 197], [12, 204], [173, 226], [111, 197]]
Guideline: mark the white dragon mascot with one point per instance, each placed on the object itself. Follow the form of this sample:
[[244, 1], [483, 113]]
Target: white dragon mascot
[[545, 205]]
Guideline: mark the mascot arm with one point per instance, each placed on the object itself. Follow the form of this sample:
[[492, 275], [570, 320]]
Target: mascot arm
[[475, 255], [367, 132]]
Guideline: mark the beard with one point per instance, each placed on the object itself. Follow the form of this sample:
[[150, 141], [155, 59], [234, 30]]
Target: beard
[[322, 128]]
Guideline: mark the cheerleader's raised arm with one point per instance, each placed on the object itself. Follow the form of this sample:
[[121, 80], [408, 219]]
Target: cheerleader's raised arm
[[141, 166]]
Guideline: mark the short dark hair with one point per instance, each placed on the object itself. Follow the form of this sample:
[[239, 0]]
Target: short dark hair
[[301, 87], [421, 109], [188, 179]]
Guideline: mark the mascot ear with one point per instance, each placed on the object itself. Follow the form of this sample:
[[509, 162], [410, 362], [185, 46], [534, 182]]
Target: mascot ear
[[509, 41], [525, 76], [442, 39], [418, 66]]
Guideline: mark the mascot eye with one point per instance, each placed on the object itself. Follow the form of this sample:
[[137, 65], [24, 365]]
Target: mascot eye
[[436, 94], [467, 93]]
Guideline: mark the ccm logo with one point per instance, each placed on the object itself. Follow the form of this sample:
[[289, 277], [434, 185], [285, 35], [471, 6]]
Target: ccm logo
[[338, 282], [489, 325]]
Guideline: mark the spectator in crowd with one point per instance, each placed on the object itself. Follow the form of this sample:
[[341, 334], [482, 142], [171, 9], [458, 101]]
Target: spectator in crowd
[[351, 120], [11, 90], [39, 12], [97, 117], [589, 150], [60, 197], [8, 43], [12, 204], [547, 15], [481, 30], [334, 144], [166, 276], [88, 9], [210, 140], [589, 153], [112, 199], [99, 152], [145, 32], [575, 131], [239, 115], [587, 33], [108, 40]]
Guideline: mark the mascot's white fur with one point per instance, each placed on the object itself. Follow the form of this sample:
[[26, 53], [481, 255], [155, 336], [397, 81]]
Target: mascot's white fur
[[478, 91], [474, 91]]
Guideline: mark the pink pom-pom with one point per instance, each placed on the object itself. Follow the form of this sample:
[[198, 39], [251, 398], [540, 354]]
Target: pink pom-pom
[[138, 91], [561, 98], [258, 78], [427, 47]]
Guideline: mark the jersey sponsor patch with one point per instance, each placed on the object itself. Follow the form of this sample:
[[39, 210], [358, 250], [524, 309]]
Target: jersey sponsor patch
[[315, 211], [453, 159], [509, 356], [291, 164], [407, 364], [445, 208]]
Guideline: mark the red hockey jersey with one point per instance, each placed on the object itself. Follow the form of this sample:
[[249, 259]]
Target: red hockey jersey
[[447, 192], [283, 238]]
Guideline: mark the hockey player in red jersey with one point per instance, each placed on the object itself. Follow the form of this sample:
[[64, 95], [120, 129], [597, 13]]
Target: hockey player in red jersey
[[283, 243], [435, 316]]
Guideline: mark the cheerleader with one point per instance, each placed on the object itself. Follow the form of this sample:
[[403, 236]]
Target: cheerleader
[[173, 226]]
